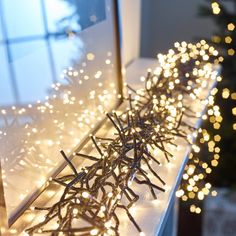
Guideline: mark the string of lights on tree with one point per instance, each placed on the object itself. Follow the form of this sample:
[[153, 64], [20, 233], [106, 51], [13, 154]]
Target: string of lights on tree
[[225, 40], [195, 186], [223, 14], [155, 117]]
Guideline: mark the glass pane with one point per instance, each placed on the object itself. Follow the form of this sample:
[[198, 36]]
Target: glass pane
[[32, 68], [1, 34], [58, 13], [24, 49], [96, 14], [23, 18], [66, 80], [72, 50], [6, 91], [61, 14]]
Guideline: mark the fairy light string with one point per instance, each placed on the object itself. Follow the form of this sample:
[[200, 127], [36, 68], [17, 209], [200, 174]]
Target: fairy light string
[[195, 187], [155, 117]]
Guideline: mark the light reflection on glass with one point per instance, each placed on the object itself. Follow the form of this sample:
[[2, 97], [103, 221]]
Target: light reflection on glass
[[59, 65]]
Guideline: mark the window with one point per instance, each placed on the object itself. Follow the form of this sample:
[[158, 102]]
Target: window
[[59, 74], [33, 38]]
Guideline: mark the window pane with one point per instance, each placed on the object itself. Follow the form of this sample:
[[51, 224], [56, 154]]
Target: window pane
[[72, 16], [23, 18], [72, 50], [6, 94], [62, 120], [1, 36], [95, 14], [58, 10], [20, 50], [32, 69]]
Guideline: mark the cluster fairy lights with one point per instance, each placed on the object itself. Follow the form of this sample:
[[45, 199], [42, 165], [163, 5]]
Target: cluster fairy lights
[[154, 118]]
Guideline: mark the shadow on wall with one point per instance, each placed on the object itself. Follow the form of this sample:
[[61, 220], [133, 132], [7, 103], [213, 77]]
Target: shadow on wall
[[166, 21]]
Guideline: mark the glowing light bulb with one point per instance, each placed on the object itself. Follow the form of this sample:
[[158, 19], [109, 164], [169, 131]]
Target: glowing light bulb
[[231, 52], [234, 111], [228, 39], [200, 195], [108, 61], [94, 232], [85, 195], [230, 26], [108, 224], [215, 8], [214, 193], [75, 211], [179, 193], [129, 183], [198, 210], [90, 56]]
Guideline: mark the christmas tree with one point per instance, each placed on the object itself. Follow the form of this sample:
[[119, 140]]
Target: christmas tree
[[218, 140], [223, 13]]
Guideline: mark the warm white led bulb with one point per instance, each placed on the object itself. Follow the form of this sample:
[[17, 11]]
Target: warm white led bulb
[[94, 232], [85, 195]]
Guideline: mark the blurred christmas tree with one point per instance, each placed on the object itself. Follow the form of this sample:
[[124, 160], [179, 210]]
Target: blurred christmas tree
[[223, 13], [217, 141], [217, 137]]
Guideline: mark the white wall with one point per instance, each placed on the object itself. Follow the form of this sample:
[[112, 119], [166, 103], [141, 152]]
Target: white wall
[[163, 23], [131, 25], [166, 21]]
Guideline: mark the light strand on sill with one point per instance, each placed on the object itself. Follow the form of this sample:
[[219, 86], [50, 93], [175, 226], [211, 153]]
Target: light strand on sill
[[155, 117]]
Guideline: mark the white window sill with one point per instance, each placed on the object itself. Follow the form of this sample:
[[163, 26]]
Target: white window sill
[[150, 214]]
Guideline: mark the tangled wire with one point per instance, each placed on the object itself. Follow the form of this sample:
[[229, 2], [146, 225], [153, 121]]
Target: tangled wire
[[152, 121]]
